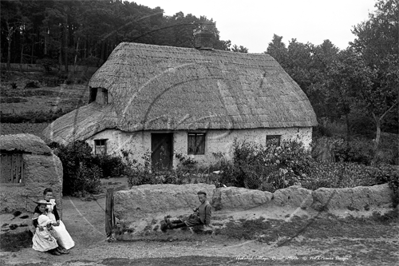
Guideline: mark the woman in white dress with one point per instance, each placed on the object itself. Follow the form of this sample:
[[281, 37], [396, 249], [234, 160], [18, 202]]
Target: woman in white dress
[[42, 239], [60, 232]]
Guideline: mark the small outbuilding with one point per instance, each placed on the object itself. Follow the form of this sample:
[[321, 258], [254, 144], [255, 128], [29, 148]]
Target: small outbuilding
[[163, 101], [28, 166]]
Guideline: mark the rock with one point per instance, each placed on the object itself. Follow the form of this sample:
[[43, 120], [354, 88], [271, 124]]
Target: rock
[[242, 198], [358, 199], [294, 196]]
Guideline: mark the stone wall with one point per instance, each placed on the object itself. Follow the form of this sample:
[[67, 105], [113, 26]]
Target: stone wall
[[148, 201], [42, 169]]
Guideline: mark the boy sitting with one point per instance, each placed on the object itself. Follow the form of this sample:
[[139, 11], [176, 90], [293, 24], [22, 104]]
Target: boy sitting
[[201, 216]]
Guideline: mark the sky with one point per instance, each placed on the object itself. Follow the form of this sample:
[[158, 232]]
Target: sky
[[252, 23]]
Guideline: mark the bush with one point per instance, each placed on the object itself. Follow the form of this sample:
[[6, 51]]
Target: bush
[[110, 166], [81, 174], [344, 174], [267, 167], [139, 174], [357, 151]]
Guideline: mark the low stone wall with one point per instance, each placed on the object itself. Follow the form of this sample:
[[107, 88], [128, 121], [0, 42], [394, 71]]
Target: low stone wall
[[148, 201]]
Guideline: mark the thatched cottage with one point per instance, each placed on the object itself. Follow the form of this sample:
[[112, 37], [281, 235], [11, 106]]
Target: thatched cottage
[[164, 101], [27, 167]]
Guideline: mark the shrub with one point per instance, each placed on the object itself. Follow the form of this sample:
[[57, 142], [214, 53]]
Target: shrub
[[81, 174], [139, 174], [267, 167], [358, 151], [344, 174], [110, 166]]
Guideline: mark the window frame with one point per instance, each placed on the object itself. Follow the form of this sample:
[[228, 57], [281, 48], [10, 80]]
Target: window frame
[[98, 147], [199, 147], [273, 137]]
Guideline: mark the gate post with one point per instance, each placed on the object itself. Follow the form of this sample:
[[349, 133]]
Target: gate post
[[109, 212]]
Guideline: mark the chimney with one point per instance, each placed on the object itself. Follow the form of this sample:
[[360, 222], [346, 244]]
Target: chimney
[[204, 36]]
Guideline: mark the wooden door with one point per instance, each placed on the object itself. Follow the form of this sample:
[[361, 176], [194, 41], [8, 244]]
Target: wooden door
[[11, 168], [161, 151]]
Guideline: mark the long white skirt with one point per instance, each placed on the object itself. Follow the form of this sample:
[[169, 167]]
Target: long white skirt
[[63, 238]]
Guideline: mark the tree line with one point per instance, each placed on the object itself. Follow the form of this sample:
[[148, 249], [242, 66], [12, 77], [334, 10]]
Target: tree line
[[86, 32], [359, 84]]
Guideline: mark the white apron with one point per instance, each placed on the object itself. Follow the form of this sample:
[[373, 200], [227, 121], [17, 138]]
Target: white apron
[[60, 232]]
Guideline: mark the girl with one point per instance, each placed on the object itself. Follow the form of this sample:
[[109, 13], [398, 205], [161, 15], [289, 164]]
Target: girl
[[60, 232], [42, 239]]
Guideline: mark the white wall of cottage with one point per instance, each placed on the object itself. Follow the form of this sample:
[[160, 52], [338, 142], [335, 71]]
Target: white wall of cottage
[[217, 141]]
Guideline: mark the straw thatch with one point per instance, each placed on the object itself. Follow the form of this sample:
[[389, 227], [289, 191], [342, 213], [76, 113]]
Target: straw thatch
[[172, 88], [26, 143], [82, 123]]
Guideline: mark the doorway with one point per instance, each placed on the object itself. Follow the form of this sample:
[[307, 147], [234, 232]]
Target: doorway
[[161, 151]]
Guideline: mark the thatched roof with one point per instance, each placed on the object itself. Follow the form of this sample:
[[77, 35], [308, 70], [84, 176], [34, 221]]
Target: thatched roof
[[82, 123], [172, 88], [25, 143]]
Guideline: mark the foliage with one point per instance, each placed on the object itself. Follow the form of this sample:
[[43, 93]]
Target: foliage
[[81, 174], [267, 167], [271, 168], [186, 171], [357, 150], [67, 32], [140, 173], [111, 166], [360, 80], [376, 44]]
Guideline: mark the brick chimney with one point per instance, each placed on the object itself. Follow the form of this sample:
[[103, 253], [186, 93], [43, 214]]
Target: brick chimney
[[204, 36]]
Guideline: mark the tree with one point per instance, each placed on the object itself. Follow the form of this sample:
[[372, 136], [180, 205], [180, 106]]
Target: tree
[[14, 21], [239, 49], [377, 44], [278, 51]]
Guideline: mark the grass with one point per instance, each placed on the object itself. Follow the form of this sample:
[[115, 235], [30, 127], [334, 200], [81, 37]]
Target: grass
[[15, 241]]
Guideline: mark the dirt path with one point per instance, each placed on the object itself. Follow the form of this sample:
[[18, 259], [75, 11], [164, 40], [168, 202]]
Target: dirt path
[[325, 240]]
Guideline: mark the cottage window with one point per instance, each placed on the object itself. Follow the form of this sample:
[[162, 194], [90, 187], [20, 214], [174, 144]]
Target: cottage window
[[196, 143], [12, 168], [273, 140], [98, 95], [100, 146]]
